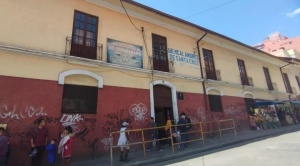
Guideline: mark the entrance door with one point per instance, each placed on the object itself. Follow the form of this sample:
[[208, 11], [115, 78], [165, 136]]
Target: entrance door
[[249, 105], [163, 108]]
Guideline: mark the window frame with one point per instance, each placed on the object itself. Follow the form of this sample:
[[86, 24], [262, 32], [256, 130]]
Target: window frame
[[287, 83], [215, 103], [210, 69], [298, 81], [268, 78], [85, 28], [76, 95], [243, 72], [160, 53]]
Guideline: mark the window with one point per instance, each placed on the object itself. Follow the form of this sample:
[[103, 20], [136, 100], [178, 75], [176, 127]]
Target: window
[[298, 81], [215, 103], [268, 78], [84, 37], [79, 99], [243, 73], [209, 64], [287, 83], [160, 55]]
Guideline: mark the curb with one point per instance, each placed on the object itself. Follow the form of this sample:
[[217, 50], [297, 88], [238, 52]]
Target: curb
[[213, 147]]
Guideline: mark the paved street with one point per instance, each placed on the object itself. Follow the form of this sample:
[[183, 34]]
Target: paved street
[[283, 150]]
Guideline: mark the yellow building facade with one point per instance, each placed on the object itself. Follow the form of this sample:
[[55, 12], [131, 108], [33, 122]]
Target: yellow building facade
[[93, 64]]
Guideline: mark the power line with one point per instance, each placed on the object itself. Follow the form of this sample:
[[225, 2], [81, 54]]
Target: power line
[[226, 3], [128, 16]]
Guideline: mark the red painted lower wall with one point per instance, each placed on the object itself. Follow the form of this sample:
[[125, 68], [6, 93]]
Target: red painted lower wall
[[22, 101]]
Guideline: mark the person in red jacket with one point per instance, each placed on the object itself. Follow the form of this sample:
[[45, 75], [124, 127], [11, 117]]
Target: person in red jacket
[[65, 145]]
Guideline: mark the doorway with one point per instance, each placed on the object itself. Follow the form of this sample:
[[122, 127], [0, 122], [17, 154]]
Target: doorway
[[162, 108]]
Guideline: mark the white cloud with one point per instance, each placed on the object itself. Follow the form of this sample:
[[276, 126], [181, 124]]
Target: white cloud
[[295, 12]]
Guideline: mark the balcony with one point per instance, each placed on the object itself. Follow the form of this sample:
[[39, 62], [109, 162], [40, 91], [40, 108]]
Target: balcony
[[171, 67], [294, 90], [212, 75], [250, 81], [84, 51], [274, 84]]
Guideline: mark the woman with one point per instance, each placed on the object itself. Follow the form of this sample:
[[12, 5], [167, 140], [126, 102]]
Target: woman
[[65, 145], [123, 140]]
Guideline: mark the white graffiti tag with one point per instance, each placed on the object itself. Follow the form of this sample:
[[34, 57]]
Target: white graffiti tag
[[105, 141], [13, 113], [138, 111], [68, 120], [201, 113]]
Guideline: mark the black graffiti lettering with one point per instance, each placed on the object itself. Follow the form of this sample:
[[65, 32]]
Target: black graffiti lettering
[[82, 134]]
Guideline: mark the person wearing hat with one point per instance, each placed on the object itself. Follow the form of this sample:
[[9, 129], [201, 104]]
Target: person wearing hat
[[123, 141], [65, 145]]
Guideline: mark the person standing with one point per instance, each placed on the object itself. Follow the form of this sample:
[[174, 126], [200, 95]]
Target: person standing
[[123, 140], [39, 141], [183, 129], [3, 147], [65, 145], [167, 129], [154, 134]]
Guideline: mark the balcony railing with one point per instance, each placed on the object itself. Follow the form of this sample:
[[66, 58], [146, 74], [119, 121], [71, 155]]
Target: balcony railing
[[275, 86], [212, 75], [250, 80], [83, 51], [294, 90], [171, 67], [218, 74]]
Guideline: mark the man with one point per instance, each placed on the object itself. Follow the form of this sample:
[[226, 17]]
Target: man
[[183, 129], [154, 134], [39, 141], [3, 147]]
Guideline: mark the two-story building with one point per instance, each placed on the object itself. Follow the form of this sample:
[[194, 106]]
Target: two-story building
[[92, 64]]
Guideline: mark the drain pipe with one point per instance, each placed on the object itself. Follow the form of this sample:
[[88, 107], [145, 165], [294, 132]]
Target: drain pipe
[[284, 79], [201, 70]]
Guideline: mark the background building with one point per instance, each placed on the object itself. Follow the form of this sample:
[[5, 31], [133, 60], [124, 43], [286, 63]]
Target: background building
[[88, 64]]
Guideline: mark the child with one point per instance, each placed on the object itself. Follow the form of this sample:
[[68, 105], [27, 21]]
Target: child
[[65, 145], [51, 148]]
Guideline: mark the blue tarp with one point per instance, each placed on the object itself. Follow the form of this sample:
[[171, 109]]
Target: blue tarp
[[262, 103]]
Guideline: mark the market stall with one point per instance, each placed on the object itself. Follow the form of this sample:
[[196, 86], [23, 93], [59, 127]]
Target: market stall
[[265, 114]]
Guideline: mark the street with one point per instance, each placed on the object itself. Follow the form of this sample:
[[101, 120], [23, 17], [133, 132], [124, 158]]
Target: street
[[283, 150]]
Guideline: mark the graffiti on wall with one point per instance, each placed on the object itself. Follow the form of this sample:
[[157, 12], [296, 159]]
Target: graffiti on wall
[[139, 111], [114, 119], [196, 114], [12, 112], [238, 113], [105, 141]]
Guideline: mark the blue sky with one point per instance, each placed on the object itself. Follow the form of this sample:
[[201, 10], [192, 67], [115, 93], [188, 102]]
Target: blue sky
[[247, 21]]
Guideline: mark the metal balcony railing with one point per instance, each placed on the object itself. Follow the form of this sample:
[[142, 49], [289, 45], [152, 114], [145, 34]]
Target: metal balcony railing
[[84, 50]]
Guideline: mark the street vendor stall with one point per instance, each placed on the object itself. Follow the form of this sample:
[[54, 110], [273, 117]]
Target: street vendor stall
[[288, 112], [266, 115]]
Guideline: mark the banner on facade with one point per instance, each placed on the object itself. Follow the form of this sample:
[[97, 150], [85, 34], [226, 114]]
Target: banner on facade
[[124, 53], [182, 58]]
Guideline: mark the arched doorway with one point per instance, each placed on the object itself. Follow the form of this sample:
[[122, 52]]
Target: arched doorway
[[163, 101], [162, 108]]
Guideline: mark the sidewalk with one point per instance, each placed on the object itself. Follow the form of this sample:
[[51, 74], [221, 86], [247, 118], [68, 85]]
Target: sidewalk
[[137, 157]]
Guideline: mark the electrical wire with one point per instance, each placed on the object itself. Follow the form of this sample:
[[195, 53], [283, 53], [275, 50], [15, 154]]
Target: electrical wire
[[226, 3], [144, 40], [129, 16]]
